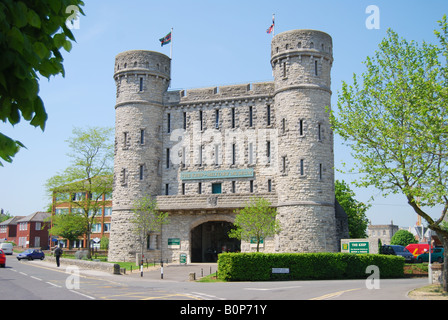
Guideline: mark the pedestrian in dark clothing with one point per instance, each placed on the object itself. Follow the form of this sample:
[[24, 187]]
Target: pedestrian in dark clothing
[[58, 254]]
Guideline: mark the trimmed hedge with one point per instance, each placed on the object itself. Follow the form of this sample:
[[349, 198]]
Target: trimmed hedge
[[306, 266]]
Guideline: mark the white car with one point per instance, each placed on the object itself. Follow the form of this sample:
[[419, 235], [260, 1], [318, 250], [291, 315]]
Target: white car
[[7, 248]]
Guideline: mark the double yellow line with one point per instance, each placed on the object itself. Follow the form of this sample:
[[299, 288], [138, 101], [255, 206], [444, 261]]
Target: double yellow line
[[334, 294]]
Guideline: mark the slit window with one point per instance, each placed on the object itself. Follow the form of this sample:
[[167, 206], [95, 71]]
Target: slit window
[[167, 158], [233, 117], [168, 123], [141, 84], [251, 116]]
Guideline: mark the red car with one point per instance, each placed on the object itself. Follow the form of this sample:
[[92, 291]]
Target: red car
[[2, 259]]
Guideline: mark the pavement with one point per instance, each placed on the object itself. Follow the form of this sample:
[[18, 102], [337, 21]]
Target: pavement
[[171, 272]]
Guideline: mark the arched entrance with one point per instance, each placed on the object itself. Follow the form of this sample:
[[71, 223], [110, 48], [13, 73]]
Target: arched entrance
[[209, 239]]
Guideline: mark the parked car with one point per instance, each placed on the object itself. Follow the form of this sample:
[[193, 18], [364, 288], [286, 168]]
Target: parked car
[[398, 251], [417, 248], [436, 255], [31, 254], [2, 259], [6, 247]]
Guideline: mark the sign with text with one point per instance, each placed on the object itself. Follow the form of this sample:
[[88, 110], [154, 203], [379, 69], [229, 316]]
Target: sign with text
[[217, 174], [358, 247]]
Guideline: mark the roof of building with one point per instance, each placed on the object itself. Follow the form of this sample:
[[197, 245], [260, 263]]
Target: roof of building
[[37, 216], [11, 221]]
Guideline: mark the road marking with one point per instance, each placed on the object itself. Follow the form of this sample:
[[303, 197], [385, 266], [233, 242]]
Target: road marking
[[333, 295], [205, 296], [36, 278], [55, 285], [23, 273], [273, 289], [82, 294]]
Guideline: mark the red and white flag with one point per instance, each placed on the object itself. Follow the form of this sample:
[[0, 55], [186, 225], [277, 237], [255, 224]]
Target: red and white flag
[[272, 27]]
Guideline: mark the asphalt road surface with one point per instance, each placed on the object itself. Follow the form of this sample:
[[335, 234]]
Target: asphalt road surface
[[37, 280]]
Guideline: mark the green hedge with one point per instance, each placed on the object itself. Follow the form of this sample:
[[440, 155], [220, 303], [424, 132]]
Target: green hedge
[[305, 266]]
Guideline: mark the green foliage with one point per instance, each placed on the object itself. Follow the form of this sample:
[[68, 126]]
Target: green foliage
[[32, 33], [147, 218], [90, 175], [355, 210], [305, 266], [69, 226], [402, 238], [394, 119], [255, 220]]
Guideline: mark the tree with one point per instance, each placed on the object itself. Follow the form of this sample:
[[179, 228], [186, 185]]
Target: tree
[[147, 218], [355, 210], [395, 123], [31, 36], [90, 176], [255, 221], [402, 238], [68, 226]]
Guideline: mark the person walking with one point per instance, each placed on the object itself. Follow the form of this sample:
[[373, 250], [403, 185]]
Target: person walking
[[58, 253]]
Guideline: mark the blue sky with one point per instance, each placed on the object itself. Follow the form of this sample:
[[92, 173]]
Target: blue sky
[[214, 43]]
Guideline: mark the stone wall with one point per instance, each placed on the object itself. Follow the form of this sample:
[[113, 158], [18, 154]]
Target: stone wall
[[278, 129]]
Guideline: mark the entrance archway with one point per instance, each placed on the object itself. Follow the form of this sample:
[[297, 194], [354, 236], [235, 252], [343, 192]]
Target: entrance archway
[[209, 239]]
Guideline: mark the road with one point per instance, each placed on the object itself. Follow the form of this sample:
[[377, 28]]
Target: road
[[35, 280]]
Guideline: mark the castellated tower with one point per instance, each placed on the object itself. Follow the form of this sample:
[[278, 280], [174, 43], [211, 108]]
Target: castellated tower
[[142, 78], [301, 62]]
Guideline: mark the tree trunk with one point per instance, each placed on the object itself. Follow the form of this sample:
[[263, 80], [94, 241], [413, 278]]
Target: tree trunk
[[444, 280]]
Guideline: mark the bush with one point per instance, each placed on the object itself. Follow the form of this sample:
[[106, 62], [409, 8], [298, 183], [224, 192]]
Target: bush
[[305, 266], [402, 238]]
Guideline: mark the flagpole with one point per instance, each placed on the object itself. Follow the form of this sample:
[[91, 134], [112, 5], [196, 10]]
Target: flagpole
[[171, 45], [273, 21]]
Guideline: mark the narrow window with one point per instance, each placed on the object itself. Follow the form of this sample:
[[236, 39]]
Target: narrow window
[[200, 119], [283, 125], [200, 188], [185, 120], [125, 139], [250, 116], [319, 133], [200, 155], [268, 114], [184, 157], [320, 171], [251, 186], [301, 127], [269, 185], [233, 186], [141, 170], [217, 119], [251, 153], [142, 136], [233, 153], [167, 158], [183, 188], [302, 167], [233, 117], [268, 151], [284, 69], [167, 189], [315, 67], [168, 123], [284, 164], [217, 154], [141, 84], [123, 176]]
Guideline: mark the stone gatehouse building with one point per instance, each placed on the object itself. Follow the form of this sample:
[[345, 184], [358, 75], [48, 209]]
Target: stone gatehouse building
[[205, 152]]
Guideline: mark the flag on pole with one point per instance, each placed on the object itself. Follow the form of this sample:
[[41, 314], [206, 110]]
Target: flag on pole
[[272, 27], [165, 40]]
